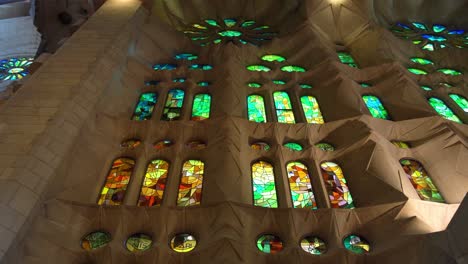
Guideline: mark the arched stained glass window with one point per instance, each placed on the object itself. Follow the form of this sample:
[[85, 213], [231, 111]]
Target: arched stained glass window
[[263, 183], [154, 184], [283, 108], [191, 183], [400, 144], [256, 108], [375, 107], [301, 189], [174, 103], [145, 106], [201, 107], [461, 101], [421, 181], [312, 110], [443, 110], [337, 189], [347, 59], [113, 192]]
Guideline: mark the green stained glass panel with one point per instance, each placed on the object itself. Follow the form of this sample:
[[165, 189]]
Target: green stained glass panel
[[417, 71], [461, 101], [401, 144], [279, 82], [429, 47], [138, 243], [95, 240], [247, 23], [186, 56], [347, 59], [212, 22], [356, 244], [263, 182], [420, 26], [421, 61], [301, 188], [145, 107], [273, 58], [443, 110], [256, 109], [165, 67], [204, 67], [230, 22], [305, 86], [421, 181], [230, 33], [259, 68], [312, 110], [375, 107], [426, 88], [450, 72], [325, 146], [203, 84], [293, 146], [269, 244], [179, 80], [438, 28], [174, 103], [254, 85], [292, 68], [283, 108], [365, 85], [201, 107]]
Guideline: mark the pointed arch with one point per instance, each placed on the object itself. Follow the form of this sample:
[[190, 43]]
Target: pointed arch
[[191, 183], [118, 177], [375, 107], [154, 183], [443, 110], [301, 188], [337, 188], [421, 181], [263, 184], [283, 107], [256, 108], [311, 109], [201, 107]]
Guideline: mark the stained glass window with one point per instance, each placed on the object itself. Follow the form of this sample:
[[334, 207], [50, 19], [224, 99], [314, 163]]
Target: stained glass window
[[279, 82], [375, 107], [337, 188], [461, 101], [421, 181], [258, 68], [293, 146], [190, 188], [138, 243], [163, 144], [273, 58], [152, 83], [254, 85], [283, 108], [154, 184], [356, 244], [269, 244], [417, 71], [401, 144], [305, 86], [264, 188], [201, 107], [421, 61], [260, 146], [301, 189], [426, 88], [202, 67], [346, 58], [204, 83], [183, 243], [113, 192], [185, 56], [145, 107], [365, 85], [14, 68], [312, 110], [313, 245], [238, 31], [174, 103], [325, 146], [443, 110], [256, 108], [165, 67], [196, 145], [95, 240], [451, 72], [130, 144], [293, 68]]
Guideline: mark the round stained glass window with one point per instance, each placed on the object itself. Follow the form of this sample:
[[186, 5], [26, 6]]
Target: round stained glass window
[[163, 144], [313, 245], [138, 242], [356, 244], [95, 240], [183, 243], [269, 244]]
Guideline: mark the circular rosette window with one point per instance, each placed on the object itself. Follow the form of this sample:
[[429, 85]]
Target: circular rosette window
[[138, 243], [95, 240], [313, 245], [269, 244], [183, 243], [356, 244]]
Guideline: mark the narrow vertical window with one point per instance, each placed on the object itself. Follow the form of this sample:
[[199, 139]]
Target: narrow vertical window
[[337, 189], [421, 181], [154, 184], [443, 110], [312, 110], [256, 109], [283, 108], [145, 107], [190, 188], [201, 107], [347, 59], [301, 189], [173, 107], [113, 192], [375, 107], [263, 183], [461, 101]]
